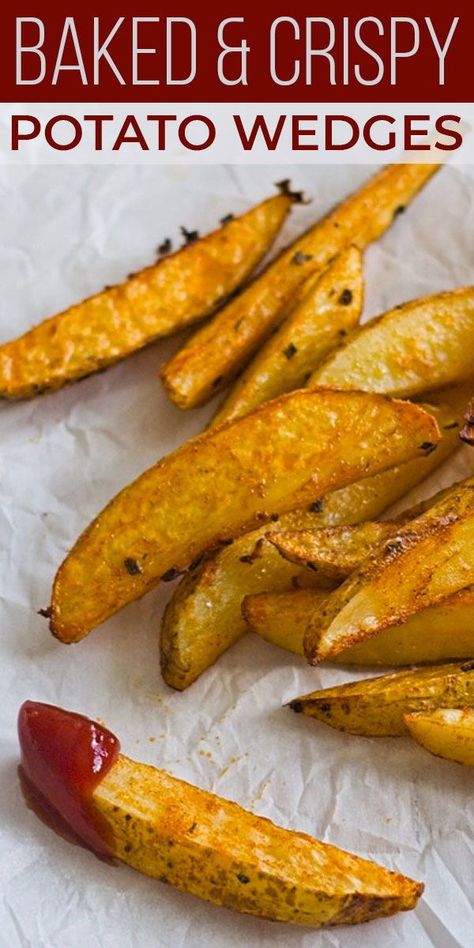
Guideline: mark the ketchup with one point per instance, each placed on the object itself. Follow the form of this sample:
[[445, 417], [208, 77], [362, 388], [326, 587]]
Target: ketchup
[[64, 756]]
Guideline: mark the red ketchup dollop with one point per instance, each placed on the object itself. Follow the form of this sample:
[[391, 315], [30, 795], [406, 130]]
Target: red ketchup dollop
[[64, 756]]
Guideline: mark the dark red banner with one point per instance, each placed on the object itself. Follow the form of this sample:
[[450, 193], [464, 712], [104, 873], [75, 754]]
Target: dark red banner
[[156, 52]]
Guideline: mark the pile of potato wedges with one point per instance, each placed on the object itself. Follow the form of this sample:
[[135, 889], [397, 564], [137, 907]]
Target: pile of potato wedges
[[271, 518]]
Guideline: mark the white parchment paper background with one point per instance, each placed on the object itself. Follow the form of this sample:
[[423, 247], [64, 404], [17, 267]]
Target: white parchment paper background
[[64, 233]]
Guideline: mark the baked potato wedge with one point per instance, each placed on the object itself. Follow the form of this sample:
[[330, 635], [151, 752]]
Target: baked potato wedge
[[418, 346], [196, 841], [335, 551], [445, 732], [281, 617], [216, 353], [214, 487], [173, 293], [441, 633], [189, 838], [330, 309], [375, 707], [427, 560], [203, 618], [467, 433]]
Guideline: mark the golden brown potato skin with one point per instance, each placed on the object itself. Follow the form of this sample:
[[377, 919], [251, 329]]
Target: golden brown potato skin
[[216, 353], [441, 633], [421, 345], [203, 617], [375, 707], [281, 617], [214, 849], [157, 301], [445, 732], [216, 486], [336, 551], [330, 309], [467, 433], [427, 560]]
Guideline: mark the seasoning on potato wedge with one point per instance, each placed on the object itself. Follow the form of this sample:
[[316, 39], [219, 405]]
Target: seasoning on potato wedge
[[467, 433], [281, 617], [214, 487], [427, 560], [173, 293], [330, 308], [334, 551], [421, 345], [445, 732], [439, 633], [375, 707], [193, 840], [216, 353], [203, 618]]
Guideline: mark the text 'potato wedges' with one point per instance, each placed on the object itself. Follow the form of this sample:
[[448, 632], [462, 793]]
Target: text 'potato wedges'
[[218, 351], [331, 307], [441, 633], [427, 560], [375, 707], [215, 486], [203, 618], [173, 293], [445, 732], [193, 840], [415, 347]]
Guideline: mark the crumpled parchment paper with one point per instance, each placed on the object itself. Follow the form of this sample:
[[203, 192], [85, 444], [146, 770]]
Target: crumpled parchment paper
[[66, 232]]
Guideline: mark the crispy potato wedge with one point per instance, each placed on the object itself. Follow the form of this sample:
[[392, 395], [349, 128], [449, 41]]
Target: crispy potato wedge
[[467, 433], [198, 842], [173, 293], [203, 618], [427, 560], [281, 617], [445, 732], [190, 838], [335, 551], [219, 484], [375, 707], [331, 307], [411, 513], [418, 346], [218, 351], [440, 633]]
